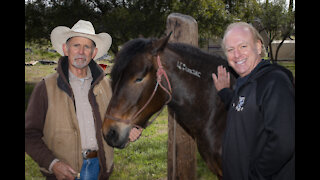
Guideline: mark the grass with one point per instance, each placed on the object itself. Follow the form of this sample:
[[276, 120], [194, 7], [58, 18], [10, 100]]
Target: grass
[[39, 52], [289, 65], [31, 169], [143, 159]]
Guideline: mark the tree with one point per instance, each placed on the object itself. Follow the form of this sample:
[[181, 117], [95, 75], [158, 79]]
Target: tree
[[128, 19], [125, 20], [244, 10], [34, 21], [278, 22], [211, 15], [42, 16]]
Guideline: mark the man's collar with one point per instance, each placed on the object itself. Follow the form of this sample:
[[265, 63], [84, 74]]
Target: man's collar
[[74, 77]]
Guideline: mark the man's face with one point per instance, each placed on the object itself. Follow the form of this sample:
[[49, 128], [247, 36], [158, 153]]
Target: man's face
[[80, 51], [242, 52]]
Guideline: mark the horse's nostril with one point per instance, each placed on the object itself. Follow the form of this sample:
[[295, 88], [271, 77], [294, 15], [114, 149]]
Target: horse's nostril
[[114, 138], [111, 134], [111, 137]]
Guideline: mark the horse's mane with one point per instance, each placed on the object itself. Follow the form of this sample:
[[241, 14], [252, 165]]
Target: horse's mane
[[198, 58]]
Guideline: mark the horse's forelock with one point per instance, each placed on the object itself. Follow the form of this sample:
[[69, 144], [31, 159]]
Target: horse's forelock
[[126, 54]]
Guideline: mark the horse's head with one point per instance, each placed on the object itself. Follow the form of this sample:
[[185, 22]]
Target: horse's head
[[135, 96]]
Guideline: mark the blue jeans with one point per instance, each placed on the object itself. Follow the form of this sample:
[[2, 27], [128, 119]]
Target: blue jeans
[[90, 169]]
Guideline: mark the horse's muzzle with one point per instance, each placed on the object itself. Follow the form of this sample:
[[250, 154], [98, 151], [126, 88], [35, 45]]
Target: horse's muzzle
[[114, 138]]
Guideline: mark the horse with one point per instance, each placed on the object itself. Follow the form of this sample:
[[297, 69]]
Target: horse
[[184, 75]]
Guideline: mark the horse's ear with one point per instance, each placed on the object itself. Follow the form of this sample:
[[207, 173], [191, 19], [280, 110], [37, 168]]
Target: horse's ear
[[159, 45]]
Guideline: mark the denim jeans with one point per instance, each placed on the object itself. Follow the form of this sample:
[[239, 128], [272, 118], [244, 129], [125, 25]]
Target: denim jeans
[[90, 169]]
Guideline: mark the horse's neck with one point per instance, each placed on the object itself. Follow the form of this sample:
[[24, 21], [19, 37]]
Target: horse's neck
[[193, 92], [191, 77], [196, 105]]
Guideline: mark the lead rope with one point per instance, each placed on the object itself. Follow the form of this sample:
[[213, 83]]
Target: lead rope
[[160, 73], [145, 105]]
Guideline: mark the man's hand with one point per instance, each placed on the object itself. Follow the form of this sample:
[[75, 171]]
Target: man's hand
[[135, 133], [63, 171], [223, 79]]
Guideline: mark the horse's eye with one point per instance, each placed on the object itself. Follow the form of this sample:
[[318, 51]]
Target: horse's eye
[[139, 80]]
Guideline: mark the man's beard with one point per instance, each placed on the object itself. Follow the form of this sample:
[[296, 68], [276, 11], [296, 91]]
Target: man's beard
[[80, 61]]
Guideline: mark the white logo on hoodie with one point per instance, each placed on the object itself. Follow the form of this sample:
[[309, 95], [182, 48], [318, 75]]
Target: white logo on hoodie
[[239, 106]]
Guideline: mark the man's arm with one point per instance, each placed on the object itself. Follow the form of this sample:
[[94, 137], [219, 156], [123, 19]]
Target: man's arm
[[278, 109], [34, 123], [34, 145], [222, 84]]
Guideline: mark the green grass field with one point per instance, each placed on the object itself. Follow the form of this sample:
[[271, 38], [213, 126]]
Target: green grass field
[[143, 159]]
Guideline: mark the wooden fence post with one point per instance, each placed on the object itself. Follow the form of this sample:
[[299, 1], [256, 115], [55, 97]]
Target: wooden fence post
[[181, 147]]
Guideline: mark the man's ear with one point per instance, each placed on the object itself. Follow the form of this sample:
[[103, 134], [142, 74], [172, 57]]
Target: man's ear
[[65, 49], [94, 53], [159, 45], [259, 47]]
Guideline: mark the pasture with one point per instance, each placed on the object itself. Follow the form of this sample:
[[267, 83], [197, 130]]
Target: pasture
[[143, 159]]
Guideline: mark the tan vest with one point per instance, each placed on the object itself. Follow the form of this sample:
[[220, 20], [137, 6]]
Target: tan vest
[[61, 130]]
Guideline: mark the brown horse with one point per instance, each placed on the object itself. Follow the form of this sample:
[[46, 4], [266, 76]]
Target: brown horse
[[149, 74]]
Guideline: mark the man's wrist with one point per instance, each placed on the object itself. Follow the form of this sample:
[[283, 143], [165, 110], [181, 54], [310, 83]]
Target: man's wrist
[[52, 163]]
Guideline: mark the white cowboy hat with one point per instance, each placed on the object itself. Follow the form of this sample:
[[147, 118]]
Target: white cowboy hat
[[61, 34]]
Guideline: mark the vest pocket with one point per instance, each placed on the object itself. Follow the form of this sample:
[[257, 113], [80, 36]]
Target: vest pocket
[[65, 146]]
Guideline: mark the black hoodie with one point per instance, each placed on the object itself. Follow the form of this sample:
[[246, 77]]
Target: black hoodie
[[259, 141]]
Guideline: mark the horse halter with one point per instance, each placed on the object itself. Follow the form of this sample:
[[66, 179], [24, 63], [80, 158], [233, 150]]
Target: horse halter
[[160, 72]]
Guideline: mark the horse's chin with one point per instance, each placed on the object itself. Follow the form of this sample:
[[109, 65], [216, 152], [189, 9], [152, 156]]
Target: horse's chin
[[123, 145], [119, 145]]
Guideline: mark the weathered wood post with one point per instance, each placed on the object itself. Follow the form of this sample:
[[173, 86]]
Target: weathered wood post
[[181, 147]]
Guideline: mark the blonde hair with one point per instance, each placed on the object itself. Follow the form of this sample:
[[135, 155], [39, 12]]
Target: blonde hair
[[254, 32]]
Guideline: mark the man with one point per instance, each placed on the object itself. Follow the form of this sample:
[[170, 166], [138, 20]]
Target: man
[[259, 141], [66, 109]]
